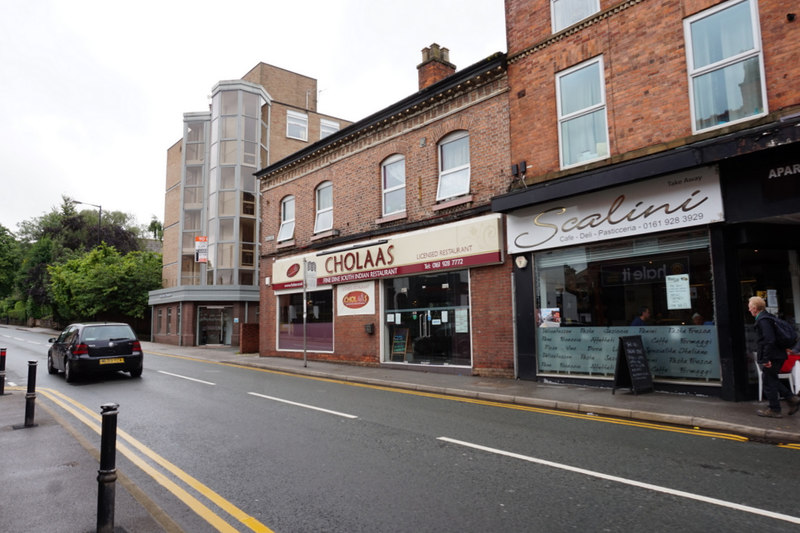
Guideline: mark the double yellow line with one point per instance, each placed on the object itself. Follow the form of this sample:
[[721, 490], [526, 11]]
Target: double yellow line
[[93, 420]]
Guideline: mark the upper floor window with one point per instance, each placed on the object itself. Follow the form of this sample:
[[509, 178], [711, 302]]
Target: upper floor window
[[453, 166], [565, 13], [286, 231], [296, 125], [393, 183], [582, 130], [324, 218], [725, 64], [327, 127]]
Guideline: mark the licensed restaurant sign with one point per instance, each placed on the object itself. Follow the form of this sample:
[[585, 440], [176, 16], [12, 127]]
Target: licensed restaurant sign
[[464, 244], [691, 198]]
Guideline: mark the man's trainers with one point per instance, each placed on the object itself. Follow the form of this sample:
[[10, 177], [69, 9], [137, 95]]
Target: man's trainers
[[769, 413], [794, 404]]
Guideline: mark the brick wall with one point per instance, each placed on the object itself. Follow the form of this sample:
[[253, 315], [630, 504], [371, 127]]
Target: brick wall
[[646, 81], [172, 202], [354, 168]]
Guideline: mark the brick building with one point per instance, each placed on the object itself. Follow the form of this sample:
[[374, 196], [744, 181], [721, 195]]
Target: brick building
[[389, 222], [211, 227], [659, 142]]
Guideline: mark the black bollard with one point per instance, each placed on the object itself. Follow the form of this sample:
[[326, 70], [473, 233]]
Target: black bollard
[[2, 371], [30, 397], [107, 475]]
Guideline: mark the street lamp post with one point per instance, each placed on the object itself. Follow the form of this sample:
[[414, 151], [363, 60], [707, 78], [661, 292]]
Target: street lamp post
[[99, 216]]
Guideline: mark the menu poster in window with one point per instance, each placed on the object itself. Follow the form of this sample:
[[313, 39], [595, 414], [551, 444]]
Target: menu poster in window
[[679, 295]]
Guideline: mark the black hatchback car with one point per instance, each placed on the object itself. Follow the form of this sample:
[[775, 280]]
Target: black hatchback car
[[95, 347]]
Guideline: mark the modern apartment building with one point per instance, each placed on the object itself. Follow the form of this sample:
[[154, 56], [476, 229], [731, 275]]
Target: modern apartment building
[[661, 156], [379, 244], [211, 227]]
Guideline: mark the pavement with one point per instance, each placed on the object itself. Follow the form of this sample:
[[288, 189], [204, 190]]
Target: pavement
[[46, 466]]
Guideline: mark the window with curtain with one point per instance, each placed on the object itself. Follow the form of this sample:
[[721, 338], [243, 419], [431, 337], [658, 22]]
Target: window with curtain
[[565, 13], [296, 125], [324, 219], [726, 68], [582, 125], [453, 166], [327, 127], [286, 231], [393, 174]]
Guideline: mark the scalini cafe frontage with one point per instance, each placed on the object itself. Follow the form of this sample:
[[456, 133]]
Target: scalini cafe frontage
[[691, 245]]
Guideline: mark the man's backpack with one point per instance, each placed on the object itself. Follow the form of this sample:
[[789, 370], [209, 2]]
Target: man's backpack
[[785, 334]]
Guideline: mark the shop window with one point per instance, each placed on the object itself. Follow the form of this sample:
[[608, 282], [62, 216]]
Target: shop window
[[427, 319], [324, 219], [453, 166], [393, 183], [588, 296], [286, 230], [582, 130], [726, 68], [296, 125], [565, 13], [319, 321], [169, 320], [159, 318]]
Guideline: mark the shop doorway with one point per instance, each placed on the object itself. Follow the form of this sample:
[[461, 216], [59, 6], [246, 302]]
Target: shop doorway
[[215, 324], [774, 275]]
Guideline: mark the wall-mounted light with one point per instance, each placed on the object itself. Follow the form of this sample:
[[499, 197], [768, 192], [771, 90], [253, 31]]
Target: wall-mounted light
[[369, 328], [790, 17], [521, 262]]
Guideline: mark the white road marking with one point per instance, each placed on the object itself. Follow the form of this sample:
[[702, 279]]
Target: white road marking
[[345, 415], [185, 377], [639, 484]]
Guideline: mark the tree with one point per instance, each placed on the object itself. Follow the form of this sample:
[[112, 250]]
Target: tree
[[9, 261], [104, 284]]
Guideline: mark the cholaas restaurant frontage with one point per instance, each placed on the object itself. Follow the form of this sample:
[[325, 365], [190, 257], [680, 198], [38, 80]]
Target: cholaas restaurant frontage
[[690, 233], [422, 298]]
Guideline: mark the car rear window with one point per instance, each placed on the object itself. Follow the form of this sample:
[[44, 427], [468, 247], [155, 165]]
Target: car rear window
[[107, 333]]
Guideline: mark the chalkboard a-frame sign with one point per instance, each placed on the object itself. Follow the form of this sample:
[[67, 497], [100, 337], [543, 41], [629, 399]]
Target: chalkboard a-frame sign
[[632, 369]]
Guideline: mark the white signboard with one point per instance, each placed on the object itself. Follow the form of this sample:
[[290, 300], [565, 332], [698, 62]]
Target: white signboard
[[201, 249], [355, 299], [458, 245], [691, 198]]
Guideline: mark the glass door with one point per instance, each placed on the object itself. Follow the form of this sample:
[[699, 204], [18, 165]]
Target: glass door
[[215, 323]]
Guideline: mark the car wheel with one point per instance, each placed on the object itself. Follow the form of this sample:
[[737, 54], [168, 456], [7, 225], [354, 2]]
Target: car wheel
[[50, 368], [137, 372], [69, 372]]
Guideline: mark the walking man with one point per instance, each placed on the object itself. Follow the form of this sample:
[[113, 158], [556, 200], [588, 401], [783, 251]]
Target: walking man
[[771, 358]]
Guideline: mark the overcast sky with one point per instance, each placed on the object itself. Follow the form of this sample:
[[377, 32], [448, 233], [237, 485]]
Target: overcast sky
[[92, 93]]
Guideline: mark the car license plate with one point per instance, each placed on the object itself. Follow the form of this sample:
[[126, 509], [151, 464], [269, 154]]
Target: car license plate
[[112, 360]]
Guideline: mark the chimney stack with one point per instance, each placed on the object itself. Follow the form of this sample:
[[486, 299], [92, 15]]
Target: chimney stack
[[435, 65]]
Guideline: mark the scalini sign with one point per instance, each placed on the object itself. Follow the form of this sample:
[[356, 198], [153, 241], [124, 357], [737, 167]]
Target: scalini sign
[[671, 202]]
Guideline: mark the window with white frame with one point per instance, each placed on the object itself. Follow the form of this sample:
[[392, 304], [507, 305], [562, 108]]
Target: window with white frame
[[327, 127], [324, 218], [296, 125], [582, 124], [393, 183], [453, 166], [565, 13], [725, 64], [286, 231]]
